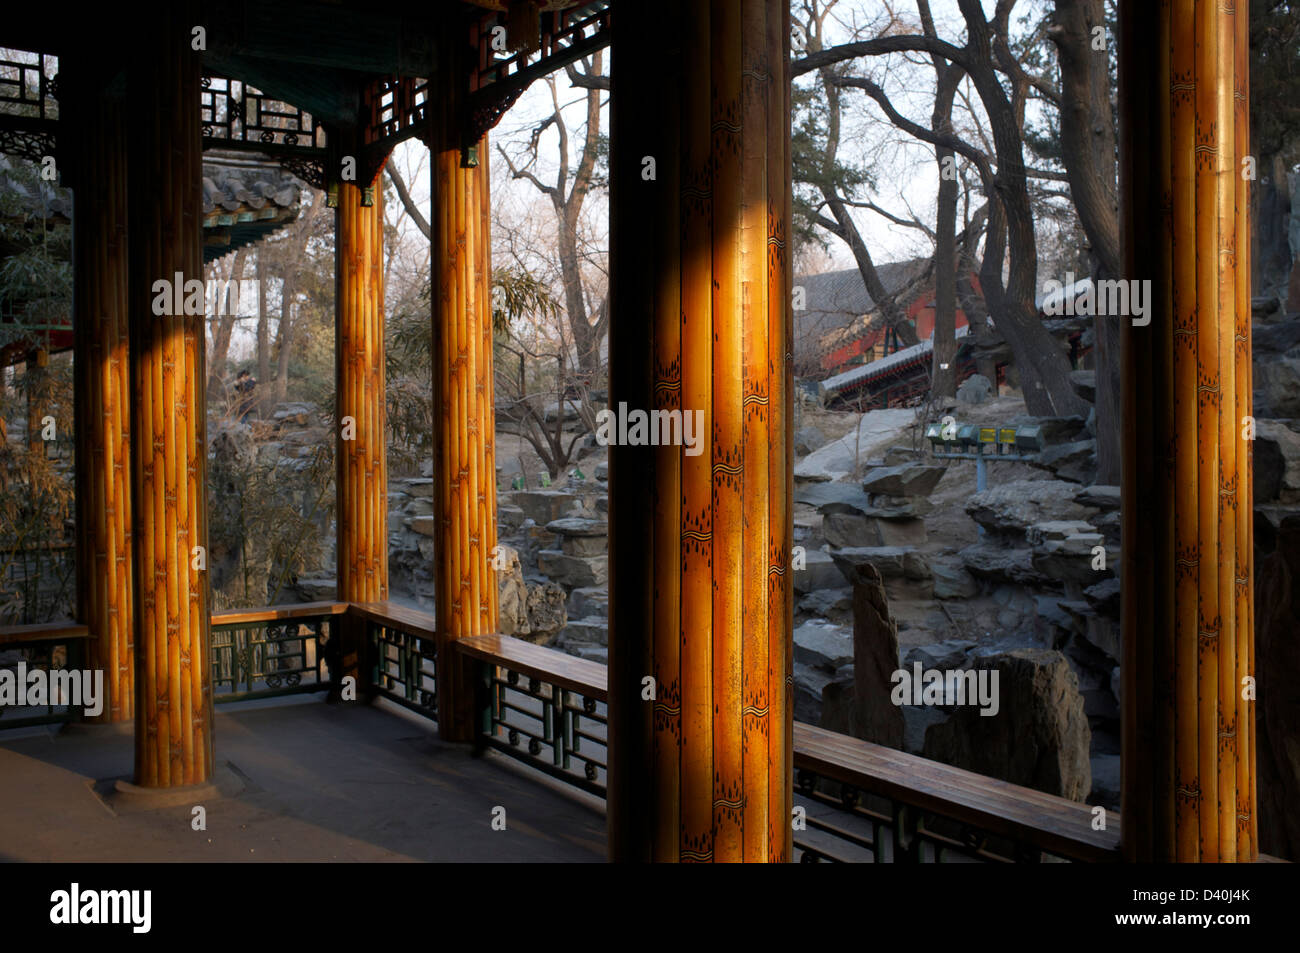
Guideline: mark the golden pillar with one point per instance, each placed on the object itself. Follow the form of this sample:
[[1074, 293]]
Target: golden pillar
[[362, 490], [1188, 713], [103, 474], [700, 537], [464, 459], [173, 715]]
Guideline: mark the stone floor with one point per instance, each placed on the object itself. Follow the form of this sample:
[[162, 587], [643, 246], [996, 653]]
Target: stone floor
[[320, 783]]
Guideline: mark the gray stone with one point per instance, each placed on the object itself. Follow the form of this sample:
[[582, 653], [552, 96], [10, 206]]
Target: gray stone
[[849, 529], [572, 571], [951, 580], [1103, 598], [819, 572], [975, 389], [585, 545], [833, 604], [419, 486], [589, 601], [898, 507], [1039, 737], [907, 479], [833, 497], [986, 560], [915, 566], [419, 507], [543, 506], [512, 598], [840, 457], [602, 470], [591, 631], [578, 526], [916, 720], [1277, 462], [823, 645], [1011, 508], [808, 439], [1076, 461], [887, 560], [808, 685], [1056, 531], [510, 517], [951, 653], [862, 707], [546, 612], [1101, 496]]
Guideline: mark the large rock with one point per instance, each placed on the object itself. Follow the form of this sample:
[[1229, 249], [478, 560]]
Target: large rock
[[987, 560], [833, 497], [818, 572], [573, 572], [546, 611], [543, 506], [850, 529], [868, 712], [1277, 462], [512, 598], [823, 645], [1039, 737], [580, 536], [951, 580], [589, 601], [888, 561], [808, 439], [833, 604], [975, 389], [842, 457], [1101, 496], [1075, 461], [809, 682], [1276, 387], [907, 479], [1011, 508]]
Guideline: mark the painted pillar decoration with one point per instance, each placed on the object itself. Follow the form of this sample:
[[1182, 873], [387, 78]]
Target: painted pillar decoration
[[700, 544], [173, 735], [1188, 708], [105, 571], [464, 459], [362, 468]]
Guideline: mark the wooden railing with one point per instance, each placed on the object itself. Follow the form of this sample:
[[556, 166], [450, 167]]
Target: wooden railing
[[41, 647], [859, 801]]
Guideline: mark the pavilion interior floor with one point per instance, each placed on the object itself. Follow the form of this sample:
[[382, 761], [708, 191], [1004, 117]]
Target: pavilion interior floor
[[320, 783]]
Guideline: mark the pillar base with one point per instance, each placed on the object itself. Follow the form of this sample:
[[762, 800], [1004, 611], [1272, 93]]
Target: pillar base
[[112, 729], [125, 797]]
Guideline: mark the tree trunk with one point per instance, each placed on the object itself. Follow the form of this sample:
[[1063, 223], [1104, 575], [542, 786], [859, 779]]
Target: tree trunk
[[263, 329], [1041, 362], [225, 323], [1088, 147], [944, 373], [284, 335]]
